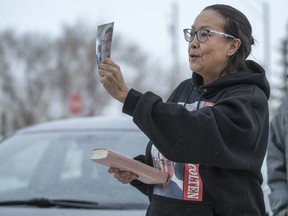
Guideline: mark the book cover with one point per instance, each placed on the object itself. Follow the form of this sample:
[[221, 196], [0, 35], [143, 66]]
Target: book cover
[[104, 41], [146, 174]]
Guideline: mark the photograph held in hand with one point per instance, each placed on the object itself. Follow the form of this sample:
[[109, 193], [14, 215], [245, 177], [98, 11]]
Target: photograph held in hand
[[104, 42]]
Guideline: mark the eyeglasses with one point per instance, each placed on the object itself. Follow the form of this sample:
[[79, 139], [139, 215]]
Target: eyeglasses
[[202, 34]]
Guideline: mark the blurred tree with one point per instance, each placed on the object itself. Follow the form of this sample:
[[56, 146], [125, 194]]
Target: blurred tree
[[285, 62], [279, 88], [39, 73], [24, 74], [76, 71]]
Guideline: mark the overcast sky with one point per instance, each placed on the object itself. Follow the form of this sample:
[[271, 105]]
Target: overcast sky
[[145, 22]]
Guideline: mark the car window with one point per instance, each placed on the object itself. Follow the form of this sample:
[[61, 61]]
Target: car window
[[18, 163], [57, 165]]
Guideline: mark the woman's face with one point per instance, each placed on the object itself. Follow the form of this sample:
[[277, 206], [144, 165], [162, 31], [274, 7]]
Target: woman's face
[[209, 59]]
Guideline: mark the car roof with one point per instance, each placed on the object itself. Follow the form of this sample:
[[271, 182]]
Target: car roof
[[83, 123]]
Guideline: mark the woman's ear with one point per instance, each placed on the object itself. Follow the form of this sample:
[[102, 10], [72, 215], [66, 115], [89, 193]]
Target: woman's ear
[[234, 46]]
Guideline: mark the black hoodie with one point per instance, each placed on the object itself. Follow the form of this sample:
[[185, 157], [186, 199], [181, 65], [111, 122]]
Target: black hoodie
[[216, 137]]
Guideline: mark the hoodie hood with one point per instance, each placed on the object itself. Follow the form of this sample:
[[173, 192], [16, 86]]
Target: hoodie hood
[[254, 74]]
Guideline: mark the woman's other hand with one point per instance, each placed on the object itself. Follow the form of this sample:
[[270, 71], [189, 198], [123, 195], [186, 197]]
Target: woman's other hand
[[123, 176]]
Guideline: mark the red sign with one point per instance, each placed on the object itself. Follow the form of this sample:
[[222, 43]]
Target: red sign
[[75, 104]]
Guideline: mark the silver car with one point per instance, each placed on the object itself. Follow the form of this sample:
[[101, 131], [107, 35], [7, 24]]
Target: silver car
[[46, 169]]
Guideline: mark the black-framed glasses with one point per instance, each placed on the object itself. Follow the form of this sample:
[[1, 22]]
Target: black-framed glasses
[[202, 34]]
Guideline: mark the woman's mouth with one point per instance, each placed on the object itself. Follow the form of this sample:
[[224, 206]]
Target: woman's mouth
[[193, 56]]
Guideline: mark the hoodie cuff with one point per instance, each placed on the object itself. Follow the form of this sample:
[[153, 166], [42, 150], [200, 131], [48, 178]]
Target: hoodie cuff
[[131, 101]]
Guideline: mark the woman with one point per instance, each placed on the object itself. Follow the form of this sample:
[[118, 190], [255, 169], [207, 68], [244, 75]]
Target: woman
[[214, 126]]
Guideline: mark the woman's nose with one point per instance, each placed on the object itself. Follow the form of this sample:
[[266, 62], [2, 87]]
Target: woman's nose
[[193, 44]]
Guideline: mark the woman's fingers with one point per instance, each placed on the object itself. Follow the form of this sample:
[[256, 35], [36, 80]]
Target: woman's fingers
[[123, 176], [112, 80]]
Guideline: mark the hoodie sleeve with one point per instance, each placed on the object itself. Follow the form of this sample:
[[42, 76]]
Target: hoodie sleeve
[[277, 159], [230, 134]]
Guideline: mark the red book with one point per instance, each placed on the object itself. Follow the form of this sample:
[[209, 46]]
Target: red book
[[146, 174]]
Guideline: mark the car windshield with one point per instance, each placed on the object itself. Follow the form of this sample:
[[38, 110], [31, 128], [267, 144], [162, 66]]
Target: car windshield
[[57, 166]]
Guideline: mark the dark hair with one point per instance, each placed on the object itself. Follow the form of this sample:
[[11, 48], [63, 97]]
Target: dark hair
[[109, 30], [236, 24]]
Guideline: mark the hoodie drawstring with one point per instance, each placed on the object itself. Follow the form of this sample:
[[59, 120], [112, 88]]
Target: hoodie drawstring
[[200, 97], [190, 92]]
